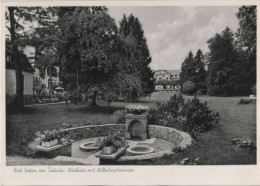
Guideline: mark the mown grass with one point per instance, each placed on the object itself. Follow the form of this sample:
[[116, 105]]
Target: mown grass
[[212, 147]]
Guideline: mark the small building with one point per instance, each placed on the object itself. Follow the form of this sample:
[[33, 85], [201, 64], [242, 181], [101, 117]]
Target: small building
[[47, 80], [27, 75]]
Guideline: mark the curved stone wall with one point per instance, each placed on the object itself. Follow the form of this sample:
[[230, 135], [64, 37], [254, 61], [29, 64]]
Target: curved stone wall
[[178, 138], [91, 131]]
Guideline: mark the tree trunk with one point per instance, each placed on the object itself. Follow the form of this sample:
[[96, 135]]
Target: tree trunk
[[94, 99], [19, 100], [50, 79]]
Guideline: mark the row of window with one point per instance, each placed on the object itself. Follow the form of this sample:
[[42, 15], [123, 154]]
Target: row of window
[[159, 75], [161, 87]]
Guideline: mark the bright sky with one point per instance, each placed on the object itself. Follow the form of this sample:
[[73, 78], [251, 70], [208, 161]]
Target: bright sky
[[172, 32]]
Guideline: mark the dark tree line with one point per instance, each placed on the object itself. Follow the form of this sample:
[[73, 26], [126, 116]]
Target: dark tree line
[[231, 61], [95, 57]]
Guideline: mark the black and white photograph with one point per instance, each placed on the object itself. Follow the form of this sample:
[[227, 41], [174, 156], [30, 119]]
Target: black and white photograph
[[130, 85]]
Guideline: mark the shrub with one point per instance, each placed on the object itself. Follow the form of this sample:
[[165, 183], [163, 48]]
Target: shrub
[[93, 122], [244, 101], [153, 116], [136, 109], [168, 112], [118, 116], [112, 139], [28, 99], [190, 116], [198, 116], [61, 97], [188, 88]]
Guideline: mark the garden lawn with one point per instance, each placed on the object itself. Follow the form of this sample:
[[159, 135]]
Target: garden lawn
[[212, 147]]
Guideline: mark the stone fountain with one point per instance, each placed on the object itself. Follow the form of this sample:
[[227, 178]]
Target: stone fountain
[[136, 126]]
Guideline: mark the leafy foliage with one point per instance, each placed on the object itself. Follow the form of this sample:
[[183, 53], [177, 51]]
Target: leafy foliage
[[188, 88], [186, 68], [227, 72], [118, 116], [193, 73], [103, 61], [189, 116], [246, 35], [247, 30], [112, 139], [231, 62], [136, 109], [54, 134], [137, 53], [165, 82]]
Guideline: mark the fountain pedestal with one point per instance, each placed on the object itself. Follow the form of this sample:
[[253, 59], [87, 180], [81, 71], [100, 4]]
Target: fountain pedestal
[[136, 126]]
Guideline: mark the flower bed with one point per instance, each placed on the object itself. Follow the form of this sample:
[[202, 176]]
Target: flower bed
[[136, 109], [51, 138]]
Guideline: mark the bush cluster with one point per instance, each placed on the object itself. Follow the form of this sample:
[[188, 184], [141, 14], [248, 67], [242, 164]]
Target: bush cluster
[[186, 115], [244, 101], [118, 116], [49, 135], [112, 139], [188, 88], [189, 116]]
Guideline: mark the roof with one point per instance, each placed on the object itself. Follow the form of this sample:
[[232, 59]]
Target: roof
[[170, 71], [25, 64], [174, 71]]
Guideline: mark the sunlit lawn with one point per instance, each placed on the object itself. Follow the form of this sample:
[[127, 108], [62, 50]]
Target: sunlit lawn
[[213, 147]]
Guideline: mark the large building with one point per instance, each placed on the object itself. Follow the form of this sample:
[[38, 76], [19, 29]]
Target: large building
[[164, 76], [167, 74]]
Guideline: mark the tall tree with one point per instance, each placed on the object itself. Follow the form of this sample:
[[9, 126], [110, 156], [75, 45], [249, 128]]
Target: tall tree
[[187, 68], [193, 72], [14, 17], [200, 75], [246, 35], [222, 64], [132, 33], [90, 39], [19, 100]]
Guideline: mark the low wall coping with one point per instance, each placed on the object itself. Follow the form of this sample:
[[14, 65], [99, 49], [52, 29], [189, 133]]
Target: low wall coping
[[93, 126], [136, 116]]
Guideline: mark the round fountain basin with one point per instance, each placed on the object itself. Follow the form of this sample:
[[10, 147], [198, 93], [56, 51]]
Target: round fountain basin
[[88, 146], [139, 150]]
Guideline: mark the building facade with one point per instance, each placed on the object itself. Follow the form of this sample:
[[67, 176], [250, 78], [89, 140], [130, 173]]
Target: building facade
[[48, 81], [164, 79], [27, 75], [167, 74]]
